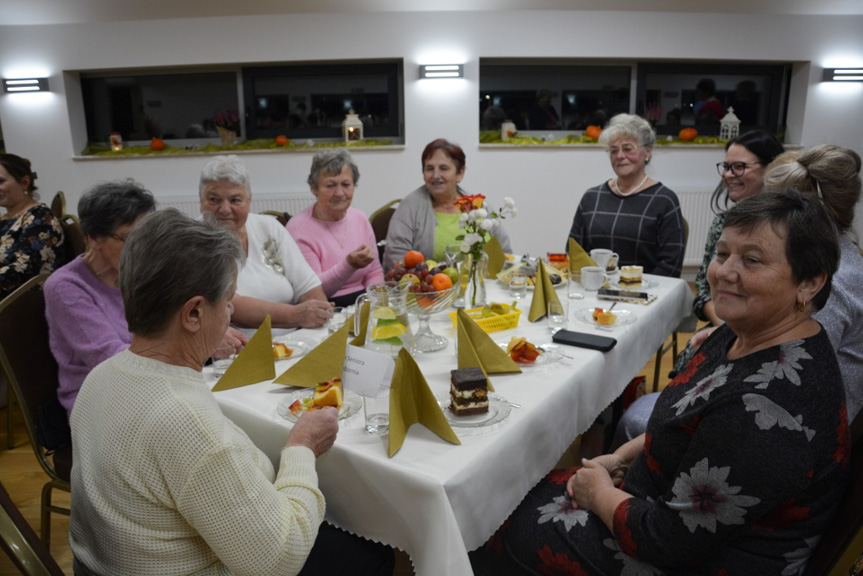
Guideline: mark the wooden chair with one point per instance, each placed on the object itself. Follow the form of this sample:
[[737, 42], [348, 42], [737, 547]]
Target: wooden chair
[[20, 542], [32, 373], [686, 325], [380, 220], [282, 217], [843, 542], [76, 241]]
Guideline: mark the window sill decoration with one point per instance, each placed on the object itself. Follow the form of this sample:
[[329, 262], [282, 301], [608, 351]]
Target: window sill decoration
[[493, 137], [249, 145]]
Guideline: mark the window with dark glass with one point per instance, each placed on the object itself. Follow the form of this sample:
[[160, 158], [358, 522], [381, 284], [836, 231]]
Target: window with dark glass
[[175, 105], [674, 95], [550, 95], [311, 100]]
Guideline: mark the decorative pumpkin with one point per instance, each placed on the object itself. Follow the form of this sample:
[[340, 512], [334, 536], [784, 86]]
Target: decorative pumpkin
[[157, 144], [593, 132], [688, 134], [282, 140]]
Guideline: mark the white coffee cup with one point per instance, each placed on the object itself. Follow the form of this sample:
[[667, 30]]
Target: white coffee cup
[[593, 277], [602, 256]]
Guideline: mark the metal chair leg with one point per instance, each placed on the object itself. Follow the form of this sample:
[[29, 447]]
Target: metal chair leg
[[10, 426]]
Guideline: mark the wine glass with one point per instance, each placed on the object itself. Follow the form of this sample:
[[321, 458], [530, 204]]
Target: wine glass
[[424, 304]]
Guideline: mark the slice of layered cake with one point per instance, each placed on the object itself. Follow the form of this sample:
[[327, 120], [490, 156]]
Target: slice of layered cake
[[468, 392]]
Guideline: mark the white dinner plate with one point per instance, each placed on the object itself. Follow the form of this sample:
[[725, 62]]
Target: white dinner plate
[[498, 409], [352, 404], [623, 317], [645, 284], [545, 356], [504, 281], [300, 346]]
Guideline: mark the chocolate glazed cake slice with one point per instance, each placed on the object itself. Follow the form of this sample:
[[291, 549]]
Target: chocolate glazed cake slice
[[468, 392]]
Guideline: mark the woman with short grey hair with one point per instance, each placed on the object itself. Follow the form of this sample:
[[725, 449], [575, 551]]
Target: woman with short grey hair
[[336, 240], [163, 482], [631, 214], [275, 280]]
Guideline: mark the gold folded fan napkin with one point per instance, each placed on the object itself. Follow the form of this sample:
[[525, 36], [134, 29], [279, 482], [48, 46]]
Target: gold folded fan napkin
[[578, 258], [411, 402], [496, 257], [477, 349], [321, 364], [254, 363], [543, 293]]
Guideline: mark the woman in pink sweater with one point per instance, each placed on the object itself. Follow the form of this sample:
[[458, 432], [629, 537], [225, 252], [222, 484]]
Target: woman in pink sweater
[[337, 241]]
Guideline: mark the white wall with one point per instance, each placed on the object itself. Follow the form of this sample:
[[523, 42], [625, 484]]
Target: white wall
[[546, 183]]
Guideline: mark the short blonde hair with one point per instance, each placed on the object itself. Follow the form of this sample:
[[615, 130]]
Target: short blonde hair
[[628, 126]]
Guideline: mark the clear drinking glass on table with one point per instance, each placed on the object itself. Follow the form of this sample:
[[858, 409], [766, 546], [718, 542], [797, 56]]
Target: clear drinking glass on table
[[557, 314], [518, 284], [337, 318], [573, 287]]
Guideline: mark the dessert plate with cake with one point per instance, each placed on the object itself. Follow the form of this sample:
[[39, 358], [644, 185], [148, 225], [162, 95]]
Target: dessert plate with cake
[[469, 403], [292, 406], [291, 347], [631, 277], [606, 317], [527, 354]]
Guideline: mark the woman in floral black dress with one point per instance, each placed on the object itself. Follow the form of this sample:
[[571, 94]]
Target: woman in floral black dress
[[745, 459], [31, 239]]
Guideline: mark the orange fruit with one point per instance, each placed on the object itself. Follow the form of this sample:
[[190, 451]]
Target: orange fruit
[[593, 132], [282, 140], [157, 144], [413, 257], [441, 281], [688, 134]]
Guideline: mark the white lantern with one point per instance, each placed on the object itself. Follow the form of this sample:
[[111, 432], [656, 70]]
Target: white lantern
[[352, 127], [729, 126]]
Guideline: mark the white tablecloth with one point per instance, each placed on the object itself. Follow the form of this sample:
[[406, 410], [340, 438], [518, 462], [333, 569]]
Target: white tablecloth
[[435, 500]]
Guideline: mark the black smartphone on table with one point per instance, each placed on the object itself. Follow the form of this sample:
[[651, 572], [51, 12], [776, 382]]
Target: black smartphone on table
[[582, 340]]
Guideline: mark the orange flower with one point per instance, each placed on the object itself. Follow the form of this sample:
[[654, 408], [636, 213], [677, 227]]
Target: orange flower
[[468, 203]]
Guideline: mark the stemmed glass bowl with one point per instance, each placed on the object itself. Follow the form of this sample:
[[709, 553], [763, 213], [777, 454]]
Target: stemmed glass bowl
[[424, 304]]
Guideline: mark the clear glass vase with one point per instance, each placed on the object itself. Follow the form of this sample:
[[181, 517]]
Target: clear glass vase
[[472, 280]]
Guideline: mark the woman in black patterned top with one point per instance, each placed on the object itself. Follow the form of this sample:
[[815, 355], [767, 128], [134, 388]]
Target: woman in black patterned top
[[31, 239], [632, 214], [745, 458]]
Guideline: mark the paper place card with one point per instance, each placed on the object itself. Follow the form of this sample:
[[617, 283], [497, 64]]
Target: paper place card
[[365, 371]]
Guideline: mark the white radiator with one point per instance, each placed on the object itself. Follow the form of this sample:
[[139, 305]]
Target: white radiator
[[290, 203], [695, 205]]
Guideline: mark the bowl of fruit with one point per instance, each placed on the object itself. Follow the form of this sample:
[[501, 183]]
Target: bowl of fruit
[[431, 289]]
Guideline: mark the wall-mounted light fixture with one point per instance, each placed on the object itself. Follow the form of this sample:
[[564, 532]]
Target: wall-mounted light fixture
[[442, 71], [25, 85], [843, 75]]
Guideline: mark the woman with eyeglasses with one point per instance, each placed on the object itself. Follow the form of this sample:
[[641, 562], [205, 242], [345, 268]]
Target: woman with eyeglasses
[[632, 214]]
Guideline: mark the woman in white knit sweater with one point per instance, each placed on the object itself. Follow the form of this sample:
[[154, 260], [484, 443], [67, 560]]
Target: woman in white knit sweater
[[163, 483]]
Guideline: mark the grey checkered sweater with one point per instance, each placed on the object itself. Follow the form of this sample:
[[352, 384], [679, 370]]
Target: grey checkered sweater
[[645, 229]]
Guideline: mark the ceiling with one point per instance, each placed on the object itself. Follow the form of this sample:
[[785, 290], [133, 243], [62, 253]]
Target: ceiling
[[33, 12]]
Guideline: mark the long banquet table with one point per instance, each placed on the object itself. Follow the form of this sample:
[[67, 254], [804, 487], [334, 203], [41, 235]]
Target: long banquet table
[[435, 500]]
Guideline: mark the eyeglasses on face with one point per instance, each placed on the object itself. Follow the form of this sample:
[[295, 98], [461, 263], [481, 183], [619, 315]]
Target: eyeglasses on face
[[737, 168], [627, 149], [121, 238]]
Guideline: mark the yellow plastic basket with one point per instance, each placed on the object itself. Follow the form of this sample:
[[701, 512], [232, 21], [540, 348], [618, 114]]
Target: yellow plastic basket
[[492, 323]]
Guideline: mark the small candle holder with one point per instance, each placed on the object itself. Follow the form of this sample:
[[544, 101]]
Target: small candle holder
[[352, 127], [116, 141]]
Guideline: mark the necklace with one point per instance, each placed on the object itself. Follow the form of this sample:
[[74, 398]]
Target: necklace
[[631, 192]]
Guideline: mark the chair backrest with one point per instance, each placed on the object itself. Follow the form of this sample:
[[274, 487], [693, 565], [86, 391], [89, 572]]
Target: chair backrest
[[849, 518], [31, 370], [58, 204], [282, 217], [380, 220], [20, 542], [76, 242]]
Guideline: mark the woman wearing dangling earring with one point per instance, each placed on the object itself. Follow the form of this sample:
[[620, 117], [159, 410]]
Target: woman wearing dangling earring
[[337, 240], [31, 239], [631, 214]]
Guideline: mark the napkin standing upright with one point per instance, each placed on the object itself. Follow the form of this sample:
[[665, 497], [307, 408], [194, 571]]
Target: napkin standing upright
[[578, 258], [411, 402], [321, 364], [496, 257], [477, 349], [254, 363], [543, 293]]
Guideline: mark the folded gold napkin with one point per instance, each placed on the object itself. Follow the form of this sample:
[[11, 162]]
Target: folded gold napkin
[[477, 349], [578, 258], [412, 401], [543, 293], [363, 311], [254, 363], [496, 257], [324, 362]]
